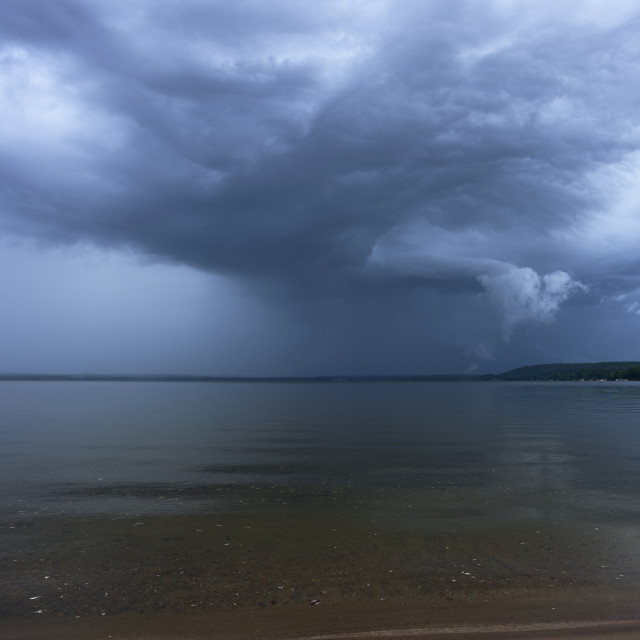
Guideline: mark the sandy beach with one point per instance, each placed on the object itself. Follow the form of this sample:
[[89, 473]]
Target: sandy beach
[[616, 630], [126, 630], [569, 616]]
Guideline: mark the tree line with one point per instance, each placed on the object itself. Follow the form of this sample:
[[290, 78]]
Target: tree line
[[576, 371]]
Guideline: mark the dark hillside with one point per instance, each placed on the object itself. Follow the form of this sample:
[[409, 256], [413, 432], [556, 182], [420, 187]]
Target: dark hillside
[[576, 371]]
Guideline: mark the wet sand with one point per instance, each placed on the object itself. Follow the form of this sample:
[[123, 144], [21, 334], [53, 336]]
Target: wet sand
[[514, 619]]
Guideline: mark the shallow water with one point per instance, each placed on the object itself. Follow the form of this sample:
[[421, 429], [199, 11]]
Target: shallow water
[[222, 495]]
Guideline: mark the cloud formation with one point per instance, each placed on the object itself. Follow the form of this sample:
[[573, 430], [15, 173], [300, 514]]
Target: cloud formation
[[442, 257], [523, 295], [461, 156]]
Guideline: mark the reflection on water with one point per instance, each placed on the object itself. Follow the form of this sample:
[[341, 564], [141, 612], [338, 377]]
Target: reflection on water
[[422, 466], [79, 446]]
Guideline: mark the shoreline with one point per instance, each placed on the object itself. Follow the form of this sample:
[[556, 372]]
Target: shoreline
[[595, 614], [577, 630], [611, 630]]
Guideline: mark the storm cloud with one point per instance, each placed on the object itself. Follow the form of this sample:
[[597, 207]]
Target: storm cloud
[[425, 180]]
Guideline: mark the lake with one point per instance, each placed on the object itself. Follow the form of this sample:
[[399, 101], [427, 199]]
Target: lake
[[147, 497]]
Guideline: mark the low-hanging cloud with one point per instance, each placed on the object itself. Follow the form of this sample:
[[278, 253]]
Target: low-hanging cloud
[[436, 256], [525, 296]]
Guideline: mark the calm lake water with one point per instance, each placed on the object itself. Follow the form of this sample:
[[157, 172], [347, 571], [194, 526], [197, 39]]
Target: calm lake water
[[170, 495]]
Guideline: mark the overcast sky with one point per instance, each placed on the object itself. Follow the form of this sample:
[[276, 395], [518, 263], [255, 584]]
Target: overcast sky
[[299, 187]]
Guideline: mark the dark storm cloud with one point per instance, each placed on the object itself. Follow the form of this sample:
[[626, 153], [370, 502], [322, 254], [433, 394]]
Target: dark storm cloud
[[336, 149]]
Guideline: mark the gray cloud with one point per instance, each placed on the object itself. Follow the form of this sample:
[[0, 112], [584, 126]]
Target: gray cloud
[[442, 258], [444, 158], [524, 295]]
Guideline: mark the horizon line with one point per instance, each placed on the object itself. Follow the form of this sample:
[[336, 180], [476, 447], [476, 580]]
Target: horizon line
[[194, 377]]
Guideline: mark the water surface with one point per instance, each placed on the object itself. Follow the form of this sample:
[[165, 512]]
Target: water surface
[[175, 495]]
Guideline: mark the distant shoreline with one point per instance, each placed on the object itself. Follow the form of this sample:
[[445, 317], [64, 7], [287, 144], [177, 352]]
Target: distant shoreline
[[557, 372], [195, 378]]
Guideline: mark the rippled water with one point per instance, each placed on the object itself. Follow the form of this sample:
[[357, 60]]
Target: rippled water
[[417, 464], [564, 450]]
